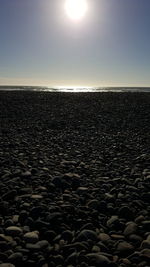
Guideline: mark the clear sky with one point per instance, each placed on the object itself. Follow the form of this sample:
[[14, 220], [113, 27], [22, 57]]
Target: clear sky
[[41, 45]]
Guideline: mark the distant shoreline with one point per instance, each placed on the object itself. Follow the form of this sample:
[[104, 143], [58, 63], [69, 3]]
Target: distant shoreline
[[73, 89]]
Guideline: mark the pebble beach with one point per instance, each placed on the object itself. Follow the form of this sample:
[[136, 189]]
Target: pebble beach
[[74, 179]]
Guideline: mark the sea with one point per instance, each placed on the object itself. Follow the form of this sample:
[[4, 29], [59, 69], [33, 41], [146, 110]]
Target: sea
[[74, 89]]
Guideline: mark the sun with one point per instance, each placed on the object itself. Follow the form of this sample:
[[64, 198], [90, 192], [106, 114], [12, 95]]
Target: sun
[[76, 9]]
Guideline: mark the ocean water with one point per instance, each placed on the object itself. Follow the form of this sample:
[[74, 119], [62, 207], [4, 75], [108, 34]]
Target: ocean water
[[75, 89]]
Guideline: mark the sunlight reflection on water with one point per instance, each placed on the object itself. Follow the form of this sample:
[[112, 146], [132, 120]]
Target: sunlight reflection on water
[[74, 89]]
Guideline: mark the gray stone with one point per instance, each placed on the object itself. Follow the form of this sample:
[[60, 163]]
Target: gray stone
[[26, 174], [42, 244], [33, 247], [82, 190], [13, 231], [104, 237], [145, 252], [5, 238], [31, 237], [36, 196]]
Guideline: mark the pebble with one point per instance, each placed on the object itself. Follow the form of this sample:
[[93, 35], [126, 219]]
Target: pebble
[[72, 259], [26, 174], [10, 195], [5, 238], [4, 246], [67, 235], [31, 237], [145, 244], [104, 237], [16, 258], [112, 220], [42, 244], [13, 231], [145, 252], [32, 247], [135, 238], [117, 237], [87, 234], [6, 265], [139, 219], [146, 225], [125, 248], [36, 212], [130, 229], [96, 249], [82, 190], [98, 259], [125, 212], [3, 257], [36, 196], [93, 204]]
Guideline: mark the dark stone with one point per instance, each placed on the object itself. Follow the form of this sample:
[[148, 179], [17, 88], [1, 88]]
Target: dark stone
[[49, 235], [130, 229], [8, 223], [67, 235], [126, 212], [4, 246], [10, 195], [40, 224], [3, 257], [16, 258], [124, 248], [146, 197], [87, 234], [72, 259], [57, 181], [23, 216], [146, 225], [36, 212], [98, 260], [4, 208]]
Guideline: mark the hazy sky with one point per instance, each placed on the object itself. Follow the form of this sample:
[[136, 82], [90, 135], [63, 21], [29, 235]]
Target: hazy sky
[[41, 45]]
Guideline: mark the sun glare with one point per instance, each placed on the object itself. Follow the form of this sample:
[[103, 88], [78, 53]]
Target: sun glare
[[76, 9]]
